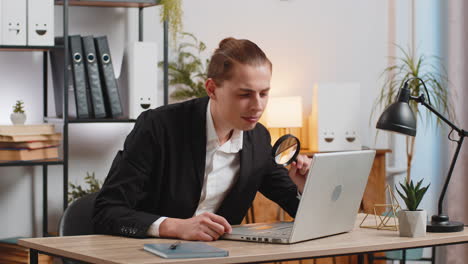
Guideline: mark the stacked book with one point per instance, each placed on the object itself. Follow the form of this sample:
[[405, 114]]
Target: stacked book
[[28, 142], [11, 252]]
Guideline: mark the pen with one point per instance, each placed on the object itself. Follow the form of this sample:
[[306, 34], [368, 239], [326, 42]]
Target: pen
[[174, 246]]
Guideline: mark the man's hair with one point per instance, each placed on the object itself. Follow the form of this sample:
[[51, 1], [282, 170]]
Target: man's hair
[[233, 51]]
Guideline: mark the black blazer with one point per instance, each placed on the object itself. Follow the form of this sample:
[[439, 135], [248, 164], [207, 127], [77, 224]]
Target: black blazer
[[160, 172]]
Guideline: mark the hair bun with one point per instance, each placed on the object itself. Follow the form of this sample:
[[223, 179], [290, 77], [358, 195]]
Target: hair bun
[[232, 51], [225, 42]]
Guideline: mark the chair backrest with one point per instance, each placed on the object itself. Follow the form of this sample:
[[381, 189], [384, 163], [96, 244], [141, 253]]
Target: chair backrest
[[77, 218]]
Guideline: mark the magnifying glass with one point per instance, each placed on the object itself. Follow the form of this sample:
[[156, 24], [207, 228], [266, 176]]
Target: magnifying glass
[[286, 149]]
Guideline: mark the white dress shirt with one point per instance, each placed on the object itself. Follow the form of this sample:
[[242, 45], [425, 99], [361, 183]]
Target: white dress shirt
[[222, 165]]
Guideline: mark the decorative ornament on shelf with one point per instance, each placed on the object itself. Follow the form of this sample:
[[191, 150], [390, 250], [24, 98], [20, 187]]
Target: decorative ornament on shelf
[[76, 191], [381, 221], [18, 117], [412, 222]]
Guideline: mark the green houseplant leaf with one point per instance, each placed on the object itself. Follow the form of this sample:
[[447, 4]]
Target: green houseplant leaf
[[172, 13], [412, 195], [434, 75], [18, 107], [76, 191], [187, 73]]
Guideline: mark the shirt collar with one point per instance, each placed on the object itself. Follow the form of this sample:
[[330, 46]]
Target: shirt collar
[[233, 145]]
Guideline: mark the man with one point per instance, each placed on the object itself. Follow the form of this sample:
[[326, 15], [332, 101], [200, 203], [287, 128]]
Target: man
[[192, 169]]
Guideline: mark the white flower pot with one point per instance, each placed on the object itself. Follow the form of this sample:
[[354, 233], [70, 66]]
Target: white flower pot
[[412, 223], [18, 118]]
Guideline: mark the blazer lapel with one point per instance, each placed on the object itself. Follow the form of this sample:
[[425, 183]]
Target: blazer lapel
[[199, 137], [246, 158]]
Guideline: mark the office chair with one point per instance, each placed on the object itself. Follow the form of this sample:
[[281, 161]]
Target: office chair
[[77, 220]]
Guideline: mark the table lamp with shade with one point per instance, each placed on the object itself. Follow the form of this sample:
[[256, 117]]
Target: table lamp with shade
[[398, 117], [283, 113]]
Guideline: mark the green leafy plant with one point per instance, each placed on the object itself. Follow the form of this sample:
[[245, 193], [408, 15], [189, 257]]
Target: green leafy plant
[[413, 194], [76, 191], [18, 107], [434, 75], [187, 74], [172, 13]]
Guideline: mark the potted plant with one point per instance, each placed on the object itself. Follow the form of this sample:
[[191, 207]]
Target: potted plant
[[76, 191], [187, 73], [412, 222], [18, 117], [172, 13], [428, 69]]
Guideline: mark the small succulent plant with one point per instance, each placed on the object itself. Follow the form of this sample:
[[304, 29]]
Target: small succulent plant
[[413, 194], [18, 107]]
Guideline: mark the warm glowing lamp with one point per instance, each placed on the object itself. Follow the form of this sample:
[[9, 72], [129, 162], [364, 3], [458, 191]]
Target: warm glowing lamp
[[284, 113]]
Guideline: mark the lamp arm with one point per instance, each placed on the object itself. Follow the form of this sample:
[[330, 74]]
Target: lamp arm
[[449, 175], [421, 99], [405, 85], [462, 133]]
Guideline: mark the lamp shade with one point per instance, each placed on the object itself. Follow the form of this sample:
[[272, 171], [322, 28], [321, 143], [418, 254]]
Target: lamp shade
[[284, 112], [398, 117]]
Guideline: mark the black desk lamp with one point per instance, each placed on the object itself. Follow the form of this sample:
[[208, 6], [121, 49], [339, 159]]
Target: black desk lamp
[[398, 117]]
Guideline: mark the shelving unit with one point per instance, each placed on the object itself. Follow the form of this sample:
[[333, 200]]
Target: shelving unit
[[140, 4], [25, 48], [110, 3], [89, 120], [32, 163]]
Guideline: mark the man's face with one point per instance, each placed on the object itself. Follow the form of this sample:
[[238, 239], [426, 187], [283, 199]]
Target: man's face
[[240, 101]]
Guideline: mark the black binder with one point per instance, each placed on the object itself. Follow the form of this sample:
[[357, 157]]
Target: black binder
[[93, 78], [57, 58], [109, 83], [79, 77]]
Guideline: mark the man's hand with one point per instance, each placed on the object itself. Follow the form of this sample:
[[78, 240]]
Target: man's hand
[[204, 227], [299, 170]]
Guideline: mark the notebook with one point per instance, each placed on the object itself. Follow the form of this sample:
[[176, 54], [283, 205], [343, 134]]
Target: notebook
[[186, 250]]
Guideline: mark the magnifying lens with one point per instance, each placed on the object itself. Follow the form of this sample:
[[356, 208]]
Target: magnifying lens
[[286, 149]]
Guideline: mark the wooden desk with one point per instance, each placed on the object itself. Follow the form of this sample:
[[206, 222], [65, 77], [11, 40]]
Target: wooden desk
[[112, 249]]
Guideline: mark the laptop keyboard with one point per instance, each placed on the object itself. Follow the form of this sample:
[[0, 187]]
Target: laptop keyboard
[[265, 233]]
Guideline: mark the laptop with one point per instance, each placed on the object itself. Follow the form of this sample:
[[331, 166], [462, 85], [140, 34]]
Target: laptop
[[329, 204]]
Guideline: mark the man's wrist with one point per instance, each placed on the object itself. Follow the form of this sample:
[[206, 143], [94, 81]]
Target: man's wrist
[[168, 228], [153, 230]]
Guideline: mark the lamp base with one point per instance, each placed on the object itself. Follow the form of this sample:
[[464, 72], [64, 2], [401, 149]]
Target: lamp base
[[441, 224]]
